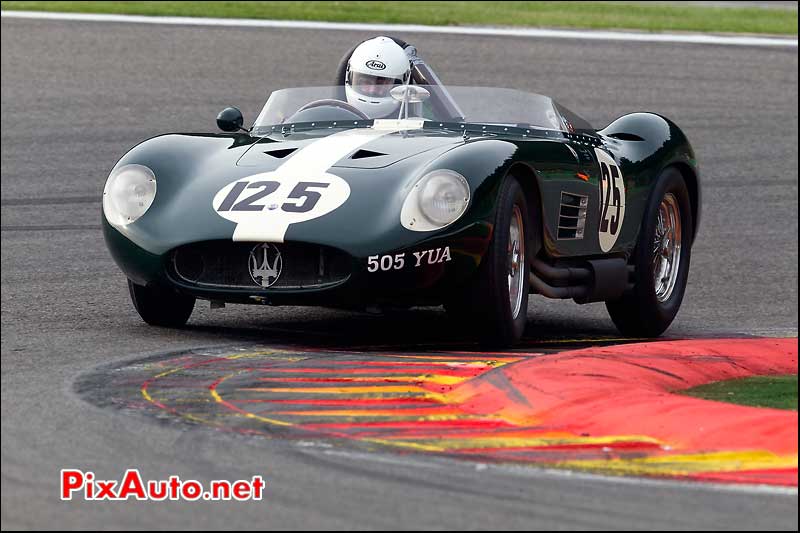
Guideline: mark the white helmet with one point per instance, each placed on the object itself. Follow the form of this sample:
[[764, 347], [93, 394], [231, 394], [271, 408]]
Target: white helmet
[[374, 68]]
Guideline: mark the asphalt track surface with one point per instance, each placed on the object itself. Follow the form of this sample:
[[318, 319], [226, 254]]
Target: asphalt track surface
[[76, 96]]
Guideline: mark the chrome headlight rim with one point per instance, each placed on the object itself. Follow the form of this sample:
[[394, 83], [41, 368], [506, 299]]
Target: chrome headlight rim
[[414, 215], [138, 177]]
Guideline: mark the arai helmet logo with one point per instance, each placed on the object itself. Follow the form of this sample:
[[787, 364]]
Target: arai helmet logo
[[374, 64], [265, 264]]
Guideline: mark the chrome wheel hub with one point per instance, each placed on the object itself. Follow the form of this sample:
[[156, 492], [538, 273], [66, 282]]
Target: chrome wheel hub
[[667, 248], [516, 261]]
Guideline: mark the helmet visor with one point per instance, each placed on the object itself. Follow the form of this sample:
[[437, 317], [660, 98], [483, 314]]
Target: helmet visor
[[372, 86]]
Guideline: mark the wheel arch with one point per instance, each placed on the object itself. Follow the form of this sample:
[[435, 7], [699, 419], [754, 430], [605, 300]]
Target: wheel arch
[[529, 181], [693, 185], [651, 137]]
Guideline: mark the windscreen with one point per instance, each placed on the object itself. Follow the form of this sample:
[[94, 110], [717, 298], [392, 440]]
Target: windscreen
[[486, 105]]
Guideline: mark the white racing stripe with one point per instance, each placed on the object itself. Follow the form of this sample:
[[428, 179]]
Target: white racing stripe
[[300, 189], [590, 35], [322, 154]]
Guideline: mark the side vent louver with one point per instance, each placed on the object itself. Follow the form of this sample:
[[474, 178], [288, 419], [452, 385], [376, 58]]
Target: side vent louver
[[572, 216], [280, 154]]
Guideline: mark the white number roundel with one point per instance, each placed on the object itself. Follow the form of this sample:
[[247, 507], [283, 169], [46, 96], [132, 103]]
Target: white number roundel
[[612, 200], [264, 205]]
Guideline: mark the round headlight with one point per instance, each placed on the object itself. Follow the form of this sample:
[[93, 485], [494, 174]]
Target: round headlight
[[129, 193], [443, 196]]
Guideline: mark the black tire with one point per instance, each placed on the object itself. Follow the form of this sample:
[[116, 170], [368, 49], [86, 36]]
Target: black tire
[[161, 307], [640, 313], [484, 306]]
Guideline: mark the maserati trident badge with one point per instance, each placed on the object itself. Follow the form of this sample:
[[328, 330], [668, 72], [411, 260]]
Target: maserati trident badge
[[265, 264]]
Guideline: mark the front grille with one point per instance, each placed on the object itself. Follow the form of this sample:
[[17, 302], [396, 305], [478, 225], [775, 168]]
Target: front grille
[[226, 264]]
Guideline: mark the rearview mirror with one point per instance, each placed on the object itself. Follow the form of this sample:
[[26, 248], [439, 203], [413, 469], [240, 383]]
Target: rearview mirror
[[411, 94], [230, 119]]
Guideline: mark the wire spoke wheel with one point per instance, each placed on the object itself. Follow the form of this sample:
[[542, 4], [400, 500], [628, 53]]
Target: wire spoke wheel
[[660, 260], [516, 261], [494, 304], [666, 248]]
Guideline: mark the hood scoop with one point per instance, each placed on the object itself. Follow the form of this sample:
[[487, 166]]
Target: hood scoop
[[395, 147], [280, 153], [363, 154]]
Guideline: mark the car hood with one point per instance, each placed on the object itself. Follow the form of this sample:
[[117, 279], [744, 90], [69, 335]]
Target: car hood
[[319, 190]]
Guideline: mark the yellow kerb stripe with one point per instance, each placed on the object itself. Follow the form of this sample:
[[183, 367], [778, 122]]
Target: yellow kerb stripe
[[533, 442], [685, 464]]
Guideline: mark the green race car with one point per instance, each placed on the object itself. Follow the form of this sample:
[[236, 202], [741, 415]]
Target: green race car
[[472, 198]]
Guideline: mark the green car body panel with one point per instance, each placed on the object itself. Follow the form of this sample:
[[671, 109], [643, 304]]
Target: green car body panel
[[192, 168]]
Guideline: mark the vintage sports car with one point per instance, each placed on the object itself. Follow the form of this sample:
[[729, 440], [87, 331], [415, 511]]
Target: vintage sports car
[[471, 197]]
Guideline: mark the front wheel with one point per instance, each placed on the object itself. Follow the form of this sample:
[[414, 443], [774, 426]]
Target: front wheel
[[661, 261], [495, 306], [161, 307]]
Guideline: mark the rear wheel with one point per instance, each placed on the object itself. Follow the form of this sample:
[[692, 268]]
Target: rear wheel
[[661, 261], [161, 307], [495, 305]]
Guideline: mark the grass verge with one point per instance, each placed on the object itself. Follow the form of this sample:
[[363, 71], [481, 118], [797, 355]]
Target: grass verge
[[779, 392], [646, 16]]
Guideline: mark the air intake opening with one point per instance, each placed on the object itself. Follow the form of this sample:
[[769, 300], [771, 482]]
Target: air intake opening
[[626, 136], [280, 154], [363, 154], [572, 216]]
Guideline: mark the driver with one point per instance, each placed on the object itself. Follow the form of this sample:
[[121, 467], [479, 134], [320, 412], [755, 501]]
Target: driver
[[374, 68]]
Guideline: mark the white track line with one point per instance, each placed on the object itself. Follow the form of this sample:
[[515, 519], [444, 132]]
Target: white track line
[[541, 471], [688, 38]]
